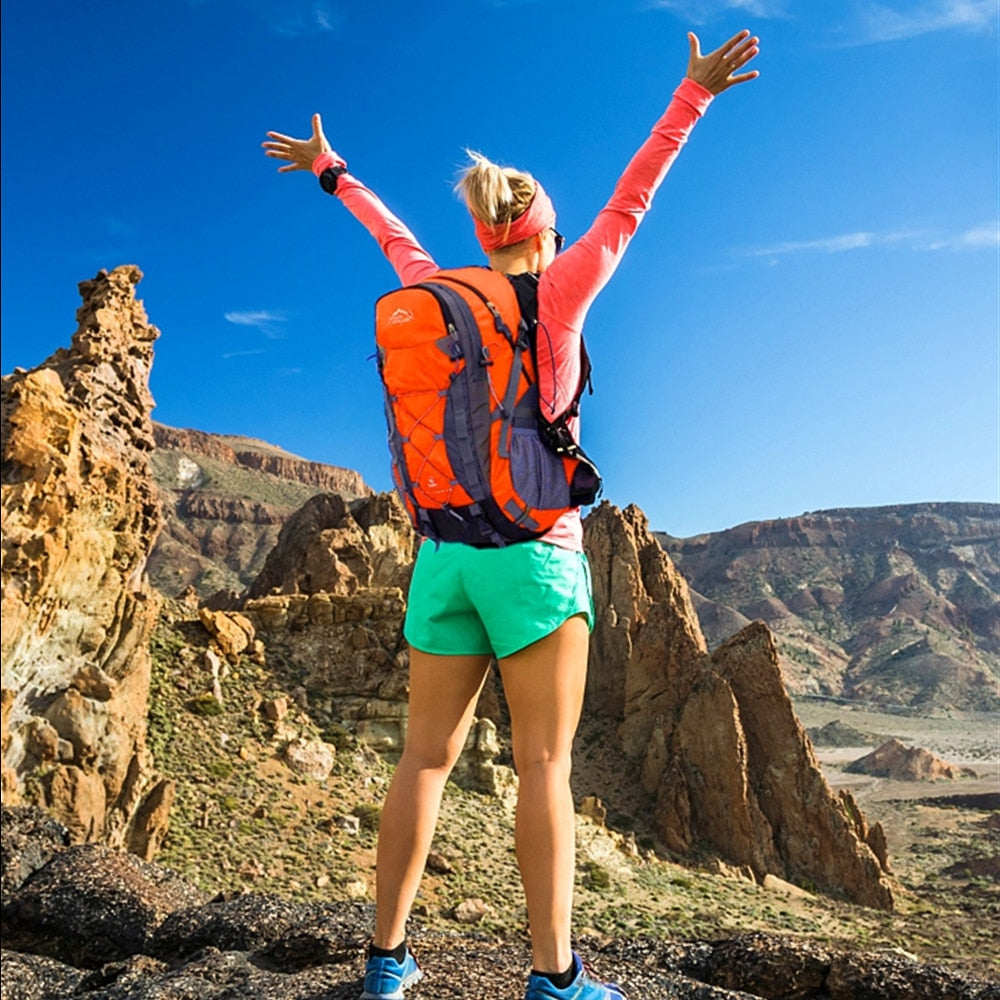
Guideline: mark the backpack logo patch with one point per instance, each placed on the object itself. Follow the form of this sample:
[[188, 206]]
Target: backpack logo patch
[[400, 316]]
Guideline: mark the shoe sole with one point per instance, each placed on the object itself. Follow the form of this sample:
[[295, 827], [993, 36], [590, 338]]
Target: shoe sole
[[410, 980]]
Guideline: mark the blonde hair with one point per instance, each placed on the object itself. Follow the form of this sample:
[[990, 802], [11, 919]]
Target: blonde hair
[[494, 194]]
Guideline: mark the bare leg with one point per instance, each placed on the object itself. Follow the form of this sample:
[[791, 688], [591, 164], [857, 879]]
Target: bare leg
[[544, 686], [443, 693]]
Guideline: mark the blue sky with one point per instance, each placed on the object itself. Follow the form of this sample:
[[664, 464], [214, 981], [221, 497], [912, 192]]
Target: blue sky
[[807, 319]]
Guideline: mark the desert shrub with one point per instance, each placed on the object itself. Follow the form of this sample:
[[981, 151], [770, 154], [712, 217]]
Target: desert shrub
[[205, 704], [595, 876], [369, 815], [220, 768], [338, 736]]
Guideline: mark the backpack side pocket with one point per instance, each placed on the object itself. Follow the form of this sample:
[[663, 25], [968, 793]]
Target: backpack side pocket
[[538, 475]]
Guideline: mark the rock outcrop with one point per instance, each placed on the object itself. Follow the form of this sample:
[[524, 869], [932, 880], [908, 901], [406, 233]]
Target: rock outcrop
[[894, 759], [714, 738], [329, 606], [92, 922], [340, 547], [80, 515]]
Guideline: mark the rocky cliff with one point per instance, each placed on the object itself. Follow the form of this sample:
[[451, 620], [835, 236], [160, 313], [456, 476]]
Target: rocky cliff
[[715, 738], [224, 500], [893, 605], [80, 515]]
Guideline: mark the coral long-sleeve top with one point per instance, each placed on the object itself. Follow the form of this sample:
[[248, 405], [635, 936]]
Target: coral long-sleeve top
[[570, 284]]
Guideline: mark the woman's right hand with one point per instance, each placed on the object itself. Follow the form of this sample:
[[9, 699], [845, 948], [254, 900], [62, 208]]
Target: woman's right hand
[[717, 71], [299, 153]]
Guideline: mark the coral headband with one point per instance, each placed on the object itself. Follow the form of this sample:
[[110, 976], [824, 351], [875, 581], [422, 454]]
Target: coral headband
[[538, 216]]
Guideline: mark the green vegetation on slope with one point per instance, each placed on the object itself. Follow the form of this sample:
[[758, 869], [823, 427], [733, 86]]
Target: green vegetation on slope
[[244, 821]]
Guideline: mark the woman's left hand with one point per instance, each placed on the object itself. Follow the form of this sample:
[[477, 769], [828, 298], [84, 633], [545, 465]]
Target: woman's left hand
[[717, 71], [299, 152]]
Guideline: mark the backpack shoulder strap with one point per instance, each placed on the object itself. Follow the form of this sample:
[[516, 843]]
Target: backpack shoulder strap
[[526, 289]]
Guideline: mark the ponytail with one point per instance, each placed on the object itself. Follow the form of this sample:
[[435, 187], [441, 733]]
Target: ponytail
[[495, 195]]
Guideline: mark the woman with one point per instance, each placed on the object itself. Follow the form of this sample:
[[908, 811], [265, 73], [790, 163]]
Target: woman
[[539, 631]]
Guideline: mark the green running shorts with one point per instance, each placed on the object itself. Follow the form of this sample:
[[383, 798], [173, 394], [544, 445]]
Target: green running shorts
[[467, 601]]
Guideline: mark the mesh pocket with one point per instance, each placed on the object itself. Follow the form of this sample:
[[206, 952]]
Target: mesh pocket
[[538, 475]]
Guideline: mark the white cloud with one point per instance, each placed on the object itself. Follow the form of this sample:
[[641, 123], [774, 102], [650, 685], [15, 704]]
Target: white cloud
[[241, 354], [294, 18], [977, 238], [265, 320], [888, 24], [291, 18], [700, 12]]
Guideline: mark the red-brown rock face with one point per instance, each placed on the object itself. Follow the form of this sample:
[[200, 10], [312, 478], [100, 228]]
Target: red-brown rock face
[[894, 759], [79, 519], [224, 501], [714, 738], [328, 478]]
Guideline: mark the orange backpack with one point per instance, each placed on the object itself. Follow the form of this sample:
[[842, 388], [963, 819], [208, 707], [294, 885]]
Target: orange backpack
[[472, 458]]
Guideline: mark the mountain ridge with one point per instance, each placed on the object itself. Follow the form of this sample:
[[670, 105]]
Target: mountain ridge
[[892, 604], [896, 604], [225, 498]]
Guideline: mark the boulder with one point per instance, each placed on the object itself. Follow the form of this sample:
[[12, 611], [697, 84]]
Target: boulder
[[28, 839], [34, 977], [232, 633], [478, 769], [230, 922], [101, 924], [91, 904], [329, 606], [339, 547], [311, 758]]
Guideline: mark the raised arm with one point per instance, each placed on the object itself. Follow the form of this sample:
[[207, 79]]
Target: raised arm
[[569, 286], [583, 270], [409, 259]]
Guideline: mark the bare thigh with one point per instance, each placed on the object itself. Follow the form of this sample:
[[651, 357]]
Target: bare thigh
[[443, 695], [544, 686]]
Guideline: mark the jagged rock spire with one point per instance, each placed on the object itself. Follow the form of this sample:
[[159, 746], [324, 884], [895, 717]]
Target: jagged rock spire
[[715, 738], [80, 515]]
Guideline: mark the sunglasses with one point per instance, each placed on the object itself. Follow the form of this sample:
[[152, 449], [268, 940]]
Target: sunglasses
[[560, 240]]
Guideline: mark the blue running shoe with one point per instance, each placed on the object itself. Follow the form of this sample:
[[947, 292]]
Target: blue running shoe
[[583, 987], [385, 978]]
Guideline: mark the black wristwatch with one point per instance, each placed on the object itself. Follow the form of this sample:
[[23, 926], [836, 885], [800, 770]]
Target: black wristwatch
[[329, 177]]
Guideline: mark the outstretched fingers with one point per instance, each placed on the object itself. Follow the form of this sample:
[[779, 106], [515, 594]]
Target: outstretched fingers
[[299, 152], [739, 53], [719, 70], [740, 38]]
